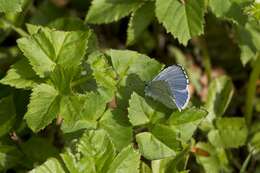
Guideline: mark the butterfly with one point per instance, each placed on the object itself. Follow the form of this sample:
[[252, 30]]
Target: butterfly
[[170, 87]]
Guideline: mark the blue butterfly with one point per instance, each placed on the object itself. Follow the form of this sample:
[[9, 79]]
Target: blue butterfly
[[170, 87]]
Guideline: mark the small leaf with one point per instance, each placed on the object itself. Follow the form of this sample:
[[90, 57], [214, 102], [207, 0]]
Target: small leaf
[[249, 41], [97, 146], [50, 166], [230, 133], [229, 9], [133, 70], [10, 6], [127, 161], [43, 107], [7, 115], [139, 21], [115, 123], [152, 148], [182, 20], [104, 74], [21, 75], [187, 121], [143, 112], [114, 10], [219, 96]]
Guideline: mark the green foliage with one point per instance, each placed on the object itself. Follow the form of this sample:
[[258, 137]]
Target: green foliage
[[72, 98]]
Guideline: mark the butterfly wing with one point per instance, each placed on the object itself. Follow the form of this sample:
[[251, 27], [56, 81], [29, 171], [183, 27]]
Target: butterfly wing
[[175, 79], [159, 90]]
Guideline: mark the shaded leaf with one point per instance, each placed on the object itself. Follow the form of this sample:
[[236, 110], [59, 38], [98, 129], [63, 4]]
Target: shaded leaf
[[116, 124], [187, 121], [7, 115], [152, 148], [21, 75], [143, 112]]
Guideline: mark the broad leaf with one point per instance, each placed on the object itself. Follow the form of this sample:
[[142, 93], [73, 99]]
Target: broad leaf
[[50, 166], [219, 96], [143, 111], [10, 6], [230, 133], [43, 107], [48, 47], [187, 121], [139, 21], [81, 111], [183, 20], [21, 75], [113, 10], [116, 124], [7, 115], [152, 148], [127, 161]]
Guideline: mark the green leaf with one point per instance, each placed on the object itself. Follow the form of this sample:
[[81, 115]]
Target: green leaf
[[168, 135], [133, 70], [68, 24], [114, 10], [229, 9], [38, 154], [10, 156], [21, 75], [230, 133], [182, 20], [152, 148], [139, 21], [104, 74], [215, 162], [97, 146], [7, 115], [254, 143], [127, 161], [219, 96], [143, 111], [43, 107], [10, 6], [187, 121], [80, 112], [249, 41], [116, 124], [48, 47], [70, 161], [50, 166]]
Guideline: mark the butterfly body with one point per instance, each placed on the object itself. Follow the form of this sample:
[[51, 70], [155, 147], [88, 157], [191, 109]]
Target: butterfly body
[[170, 87]]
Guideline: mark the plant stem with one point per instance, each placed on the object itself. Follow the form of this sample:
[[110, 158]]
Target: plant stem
[[251, 88], [244, 166], [16, 29]]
